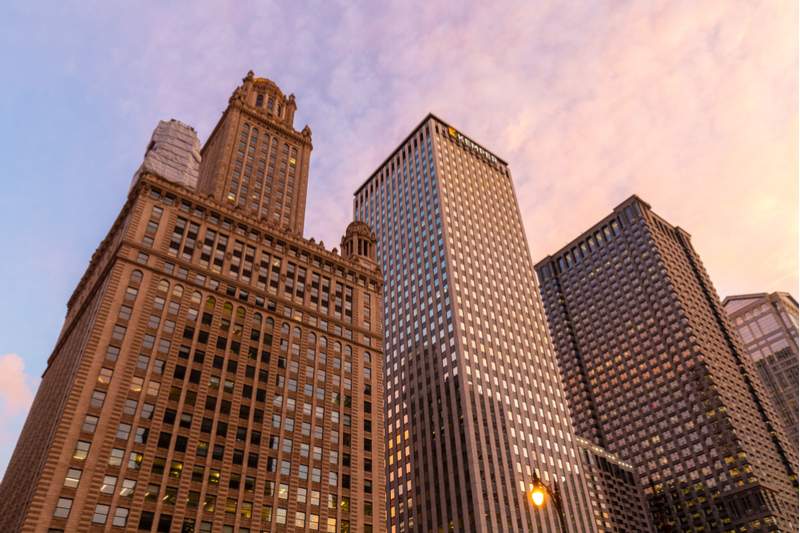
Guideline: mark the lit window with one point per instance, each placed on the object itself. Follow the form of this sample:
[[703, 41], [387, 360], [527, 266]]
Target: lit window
[[127, 488], [105, 375], [81, 450], [72, 478], [109, 485]]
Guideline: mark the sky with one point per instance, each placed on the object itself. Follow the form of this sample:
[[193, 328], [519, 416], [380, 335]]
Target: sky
[[691, 105]]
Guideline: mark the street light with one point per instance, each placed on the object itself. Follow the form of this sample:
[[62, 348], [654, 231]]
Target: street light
[[538, 496]]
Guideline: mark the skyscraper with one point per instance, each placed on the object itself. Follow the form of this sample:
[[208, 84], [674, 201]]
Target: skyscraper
[[767, 324], [475, 408], [658, 376], [215, 371], [617, 498]]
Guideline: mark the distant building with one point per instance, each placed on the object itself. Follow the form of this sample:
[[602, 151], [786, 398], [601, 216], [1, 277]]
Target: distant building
[[617, 498], [216, 372], [474, 401], [767, 324], [658, 376]]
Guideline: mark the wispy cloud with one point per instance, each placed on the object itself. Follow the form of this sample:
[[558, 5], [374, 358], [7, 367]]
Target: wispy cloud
[[693, 106]]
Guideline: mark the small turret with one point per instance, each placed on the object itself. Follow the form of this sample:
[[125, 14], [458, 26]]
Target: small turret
[[358, 244]]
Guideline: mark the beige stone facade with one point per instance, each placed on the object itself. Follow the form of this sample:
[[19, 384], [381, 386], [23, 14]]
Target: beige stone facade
[[214, 373]]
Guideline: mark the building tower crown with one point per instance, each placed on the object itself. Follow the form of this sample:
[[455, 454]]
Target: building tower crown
[[359, 243], [264, 95]]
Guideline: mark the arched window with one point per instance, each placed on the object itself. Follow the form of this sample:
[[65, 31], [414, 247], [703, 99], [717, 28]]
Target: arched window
[[367, 358], [136, 276], [323, 343], [227, 309], [269, 325], [296, 332], [337, 347], [197, 297], [163, 286], [285, 329], [210, 303], [257, 321], [348, 353], [177, 291], [312, 340]]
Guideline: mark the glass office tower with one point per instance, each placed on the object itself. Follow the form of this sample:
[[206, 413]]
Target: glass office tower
[[767, 324], [475, 407]]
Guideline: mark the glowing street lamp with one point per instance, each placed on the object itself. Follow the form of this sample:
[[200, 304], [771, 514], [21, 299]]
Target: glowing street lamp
[[538, 493]]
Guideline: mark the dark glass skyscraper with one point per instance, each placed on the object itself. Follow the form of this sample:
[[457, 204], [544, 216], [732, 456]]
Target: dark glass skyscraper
[[658, 376], [474, 402]]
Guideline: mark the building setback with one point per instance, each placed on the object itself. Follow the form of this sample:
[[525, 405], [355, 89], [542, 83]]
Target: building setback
[[659, 377], [767, 323], [216, 371], [617, 497], [474, 402]]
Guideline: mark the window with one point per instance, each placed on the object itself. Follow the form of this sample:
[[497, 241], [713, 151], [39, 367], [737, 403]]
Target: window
[[135, 461], [120, 517], [136, 384], [109, 485], [118, 333], [63, 506], [116, 456], [112, 352], [123, 431], [105, 375], [127, 488], [129, 407], [100, 514], [89, 424], [72, 478], [81, 450], [147, 411]]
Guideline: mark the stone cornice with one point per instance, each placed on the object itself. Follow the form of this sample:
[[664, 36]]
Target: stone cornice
[[246, 219]]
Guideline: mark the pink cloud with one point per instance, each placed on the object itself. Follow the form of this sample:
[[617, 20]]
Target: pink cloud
[[16, 387]]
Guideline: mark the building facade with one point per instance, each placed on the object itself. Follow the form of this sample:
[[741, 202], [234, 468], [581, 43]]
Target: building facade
[[617, 497], [474, 403], [658, 376], [767, 323], [215, 372]]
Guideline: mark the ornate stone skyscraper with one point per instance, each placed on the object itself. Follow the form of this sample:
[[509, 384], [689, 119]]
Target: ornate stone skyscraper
[[255, 159], [475, 406], [215, 371], [658, 376]]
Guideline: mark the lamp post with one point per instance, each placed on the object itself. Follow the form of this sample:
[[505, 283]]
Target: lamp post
[[538, 497]]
